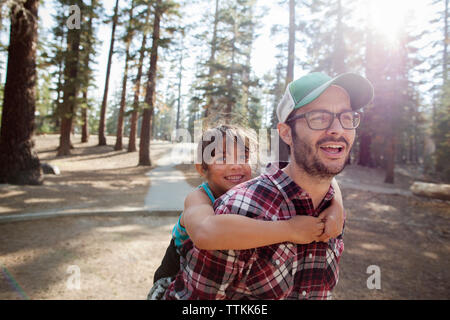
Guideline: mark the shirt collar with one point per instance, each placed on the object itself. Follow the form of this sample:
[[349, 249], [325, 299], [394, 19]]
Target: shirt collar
[[287, 186]]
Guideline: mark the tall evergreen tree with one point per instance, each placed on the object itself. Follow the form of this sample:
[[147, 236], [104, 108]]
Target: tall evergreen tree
[[328, 50], [71, 86], [19, 163], [441, 114], [291, 43], [101, 127], [391, 76], [144, 28], [127, 39], [161, 8], [88, 42], [56, 59], [212, 59], [231, 68]]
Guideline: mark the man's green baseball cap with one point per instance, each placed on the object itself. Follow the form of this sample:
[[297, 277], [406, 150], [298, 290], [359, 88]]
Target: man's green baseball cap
[[306, 89]]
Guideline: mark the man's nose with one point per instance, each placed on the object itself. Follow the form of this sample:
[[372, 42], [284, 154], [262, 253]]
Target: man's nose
[[336, 128]]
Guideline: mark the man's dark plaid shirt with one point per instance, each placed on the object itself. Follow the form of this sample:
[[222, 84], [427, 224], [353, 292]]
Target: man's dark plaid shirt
[[280, 271]]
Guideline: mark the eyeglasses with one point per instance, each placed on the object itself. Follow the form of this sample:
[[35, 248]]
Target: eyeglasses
[[322, 119]]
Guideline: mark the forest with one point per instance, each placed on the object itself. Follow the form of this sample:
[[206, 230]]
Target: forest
[[143, 68]]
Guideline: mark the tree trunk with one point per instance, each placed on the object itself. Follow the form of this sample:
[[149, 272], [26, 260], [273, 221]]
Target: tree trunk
[[365, 159], [59, 86], [389, 158], [19, 163], [445, 51], [85, 119], [180, 78], [247, 69], [210, 100], [70, 90], [147, 116], [85, 110], [291, 44], [338, 55], [431, 190], [283, 148], [230, 82], [137, 90], [102, 124], [119, 135]]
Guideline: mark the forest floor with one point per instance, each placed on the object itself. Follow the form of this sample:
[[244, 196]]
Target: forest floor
[[406, 237]]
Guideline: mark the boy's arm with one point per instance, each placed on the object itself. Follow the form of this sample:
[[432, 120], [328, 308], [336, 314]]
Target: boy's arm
[[334, 216], [236, 232]]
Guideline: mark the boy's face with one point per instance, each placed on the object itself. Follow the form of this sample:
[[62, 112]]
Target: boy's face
[[228, 169]]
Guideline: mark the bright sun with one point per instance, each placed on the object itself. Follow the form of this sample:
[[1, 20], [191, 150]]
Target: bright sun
[[388, 16]]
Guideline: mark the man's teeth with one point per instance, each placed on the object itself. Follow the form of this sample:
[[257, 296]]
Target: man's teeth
[[332, 148], [234, 177]]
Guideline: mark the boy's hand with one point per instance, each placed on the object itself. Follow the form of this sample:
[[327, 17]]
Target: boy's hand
[[305, 229], [334, 222]]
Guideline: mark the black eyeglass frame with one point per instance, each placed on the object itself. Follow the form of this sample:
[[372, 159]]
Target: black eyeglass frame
[[335, 115]]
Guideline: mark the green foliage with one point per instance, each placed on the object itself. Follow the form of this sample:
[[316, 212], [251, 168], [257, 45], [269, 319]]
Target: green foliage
[[223, 84], [332, 47], [441, 109], [225, 77]]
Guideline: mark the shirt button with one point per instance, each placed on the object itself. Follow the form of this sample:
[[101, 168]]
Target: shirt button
[[277, 262], [310, 255], [304, 293], [274, 218]]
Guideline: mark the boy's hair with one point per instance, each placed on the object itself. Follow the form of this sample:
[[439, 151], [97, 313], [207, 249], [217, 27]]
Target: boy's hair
[[237, 134]]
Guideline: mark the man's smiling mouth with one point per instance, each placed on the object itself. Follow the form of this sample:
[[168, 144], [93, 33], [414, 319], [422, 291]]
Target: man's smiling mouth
[[334, 149]]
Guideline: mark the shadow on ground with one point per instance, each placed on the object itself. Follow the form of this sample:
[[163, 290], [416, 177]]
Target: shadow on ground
[[92, 177], [405, 237], [116, 256], [99, 188]]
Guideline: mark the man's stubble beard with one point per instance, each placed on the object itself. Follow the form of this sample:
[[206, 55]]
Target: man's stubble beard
[[308, 160]]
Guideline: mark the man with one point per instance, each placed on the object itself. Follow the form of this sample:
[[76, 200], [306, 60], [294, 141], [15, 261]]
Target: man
[[317, 120]]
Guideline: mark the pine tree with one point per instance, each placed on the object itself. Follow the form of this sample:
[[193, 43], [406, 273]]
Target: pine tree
[[144, 28], [161, 9], [210, 104], [331, 44], [89, 42], [57, 51], [71, 86], [19, 163], [101, 128], [441, 114], [127, 39], [396, 93], [231, 70], [291, 43]]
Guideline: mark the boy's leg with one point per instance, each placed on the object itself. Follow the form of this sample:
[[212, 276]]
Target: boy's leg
[[170, 264]]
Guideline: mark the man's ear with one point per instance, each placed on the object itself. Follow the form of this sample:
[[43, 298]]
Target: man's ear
[[285, 133], [200, 169]]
